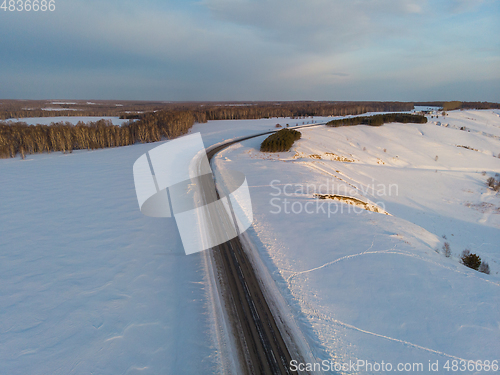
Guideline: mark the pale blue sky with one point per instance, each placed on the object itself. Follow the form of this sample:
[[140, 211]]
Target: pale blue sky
[[408, 50]]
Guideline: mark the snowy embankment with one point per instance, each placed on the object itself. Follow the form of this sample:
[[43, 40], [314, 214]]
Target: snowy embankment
[[373, 287], [88, 283]]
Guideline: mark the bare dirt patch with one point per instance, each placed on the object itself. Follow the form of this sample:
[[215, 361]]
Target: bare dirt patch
[[341, 158], [484, 207], [353, 201]]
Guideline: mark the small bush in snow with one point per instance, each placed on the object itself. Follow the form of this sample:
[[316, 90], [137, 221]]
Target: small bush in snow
[[494, 183], [470, 260], [484, 268], [447, 250]]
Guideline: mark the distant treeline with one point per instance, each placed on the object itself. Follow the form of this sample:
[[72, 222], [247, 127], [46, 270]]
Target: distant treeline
[[280, 141], [449, 106], [211, 111], [203, 111], [161, 121], [50, 108], [23, 139], [377, 120]]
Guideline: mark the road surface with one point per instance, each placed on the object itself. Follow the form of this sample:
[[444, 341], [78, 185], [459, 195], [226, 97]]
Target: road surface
[[261, 347]]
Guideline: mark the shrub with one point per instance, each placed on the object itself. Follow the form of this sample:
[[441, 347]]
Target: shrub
[[377, 120], [484, 268], [447, 250], [470, 260], [278, 126], [280, 141], [490, 182], [493, 183]]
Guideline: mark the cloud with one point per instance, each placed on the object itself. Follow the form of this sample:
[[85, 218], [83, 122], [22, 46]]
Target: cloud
[[246, 49], [461, 6], [313, 25]]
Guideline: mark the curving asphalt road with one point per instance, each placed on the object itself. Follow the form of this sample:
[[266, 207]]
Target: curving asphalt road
[[261, 347]]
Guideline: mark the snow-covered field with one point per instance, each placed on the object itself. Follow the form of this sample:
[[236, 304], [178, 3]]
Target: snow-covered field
[[220, 130], [88, 284], [373, 287], [71, 119], [419, 108]]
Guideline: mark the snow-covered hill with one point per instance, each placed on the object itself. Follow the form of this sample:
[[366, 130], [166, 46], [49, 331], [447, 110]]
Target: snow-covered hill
[[373, 287]]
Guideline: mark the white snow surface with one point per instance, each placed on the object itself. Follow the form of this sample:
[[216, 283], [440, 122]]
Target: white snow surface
[[71, 119], [222, 130], [419, 108], [89, 285], [58, 109], [372, 287]]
